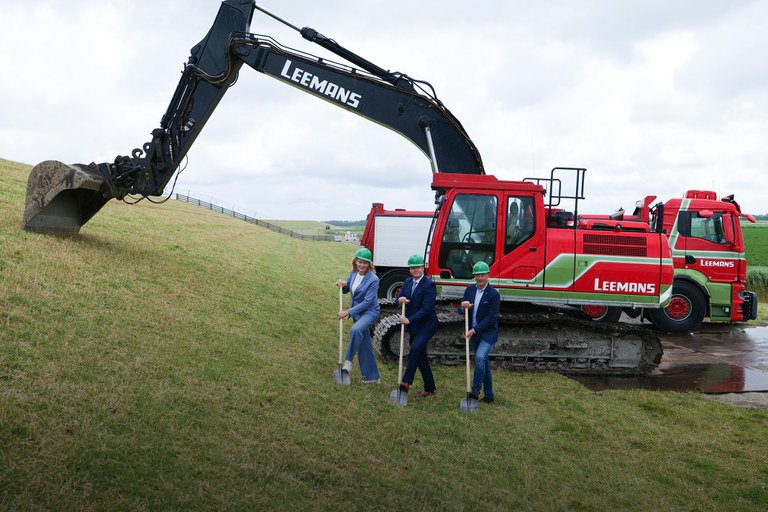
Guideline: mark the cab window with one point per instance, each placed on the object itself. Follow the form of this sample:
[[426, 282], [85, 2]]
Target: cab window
[[707, 228], [470, 234], [520, 222]]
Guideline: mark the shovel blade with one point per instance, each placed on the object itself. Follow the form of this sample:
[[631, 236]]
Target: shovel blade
[[61, 198], [468, 405], [399, 397], [342, 377]]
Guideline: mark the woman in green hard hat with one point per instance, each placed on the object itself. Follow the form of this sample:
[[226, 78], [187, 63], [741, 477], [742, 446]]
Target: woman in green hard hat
[[484, 302], [363, 284], [418, 294]]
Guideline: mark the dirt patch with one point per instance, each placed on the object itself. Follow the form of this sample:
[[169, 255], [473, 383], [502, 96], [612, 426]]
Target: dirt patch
[[754, 400]]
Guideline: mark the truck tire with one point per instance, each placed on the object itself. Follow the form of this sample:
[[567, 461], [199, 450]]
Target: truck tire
[[390, 284], [606, 314], [685, 311]]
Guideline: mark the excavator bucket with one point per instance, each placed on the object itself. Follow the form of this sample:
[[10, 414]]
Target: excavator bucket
[[61, 198]]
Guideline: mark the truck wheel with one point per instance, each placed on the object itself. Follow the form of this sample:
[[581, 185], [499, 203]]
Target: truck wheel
[[606, 314], [391, 283], [685, 310]]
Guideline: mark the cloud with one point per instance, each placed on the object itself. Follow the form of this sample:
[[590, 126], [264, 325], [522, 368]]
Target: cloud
[[652, 97]]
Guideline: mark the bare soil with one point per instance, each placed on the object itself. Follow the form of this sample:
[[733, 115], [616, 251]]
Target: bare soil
[[756, 400]]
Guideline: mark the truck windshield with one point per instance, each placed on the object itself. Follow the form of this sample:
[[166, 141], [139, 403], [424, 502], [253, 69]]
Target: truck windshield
[[470, 234]]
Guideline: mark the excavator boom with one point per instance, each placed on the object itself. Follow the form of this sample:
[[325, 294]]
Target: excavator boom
[[61, 198]]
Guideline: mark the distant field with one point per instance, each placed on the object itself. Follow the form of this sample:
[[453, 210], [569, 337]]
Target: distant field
[[756, 241], [305, 227], [313, 227]]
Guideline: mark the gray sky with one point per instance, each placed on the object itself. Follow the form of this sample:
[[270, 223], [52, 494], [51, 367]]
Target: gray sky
[[653, 97]]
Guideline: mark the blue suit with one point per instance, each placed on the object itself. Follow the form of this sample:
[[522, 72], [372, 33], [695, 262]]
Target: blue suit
[[364, 310], [486, 334], [420, 312]]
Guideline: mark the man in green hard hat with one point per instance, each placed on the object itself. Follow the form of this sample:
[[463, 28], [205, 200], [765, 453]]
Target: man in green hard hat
[[484, 301], [418, 294]]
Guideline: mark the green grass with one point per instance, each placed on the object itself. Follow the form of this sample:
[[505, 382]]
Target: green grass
[[170, 358], [757, 281], [756, 242]]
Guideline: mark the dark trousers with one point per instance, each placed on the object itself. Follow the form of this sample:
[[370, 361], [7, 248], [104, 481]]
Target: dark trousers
[[418, 359]]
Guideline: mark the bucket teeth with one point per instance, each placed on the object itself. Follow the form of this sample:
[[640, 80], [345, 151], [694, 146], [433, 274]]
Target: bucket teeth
[[61, 198]]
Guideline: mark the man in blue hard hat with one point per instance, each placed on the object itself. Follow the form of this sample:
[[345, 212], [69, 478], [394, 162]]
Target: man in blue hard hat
[[484, 302], [419, 294]]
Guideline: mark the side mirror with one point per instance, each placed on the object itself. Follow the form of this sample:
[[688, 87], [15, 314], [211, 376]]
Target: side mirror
[[751, 218]]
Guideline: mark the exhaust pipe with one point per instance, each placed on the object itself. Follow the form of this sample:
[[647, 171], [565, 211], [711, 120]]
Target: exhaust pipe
[[61, 198]]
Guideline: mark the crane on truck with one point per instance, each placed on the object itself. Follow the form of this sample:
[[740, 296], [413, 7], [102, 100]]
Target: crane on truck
[[532, 246]]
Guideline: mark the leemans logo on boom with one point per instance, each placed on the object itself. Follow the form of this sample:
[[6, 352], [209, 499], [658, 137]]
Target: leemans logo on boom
[[620, 286], [313, 82]]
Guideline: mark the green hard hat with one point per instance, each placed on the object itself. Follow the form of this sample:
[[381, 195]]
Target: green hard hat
[[364, 254], [416, 261], [481, 267]]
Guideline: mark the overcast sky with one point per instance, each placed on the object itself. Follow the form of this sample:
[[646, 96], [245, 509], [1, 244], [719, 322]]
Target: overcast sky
[[652, 96]]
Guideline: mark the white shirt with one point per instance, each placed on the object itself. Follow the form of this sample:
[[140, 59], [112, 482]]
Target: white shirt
[[478, 298], [356, 281]]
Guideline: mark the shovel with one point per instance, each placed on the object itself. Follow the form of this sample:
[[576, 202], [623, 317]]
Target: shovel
[[341, 376], [468, 404], [399, 396]]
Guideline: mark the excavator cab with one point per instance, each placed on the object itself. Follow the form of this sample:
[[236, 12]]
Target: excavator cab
[[469, 235], [488, 220]]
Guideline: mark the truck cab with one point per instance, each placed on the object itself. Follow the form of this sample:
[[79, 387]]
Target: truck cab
[[710, 263]]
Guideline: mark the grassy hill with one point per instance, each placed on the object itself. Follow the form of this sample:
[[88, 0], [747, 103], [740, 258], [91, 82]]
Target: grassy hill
[[169, 358]]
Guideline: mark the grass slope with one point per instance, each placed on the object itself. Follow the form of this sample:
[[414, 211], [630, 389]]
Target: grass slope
[[169, 358]]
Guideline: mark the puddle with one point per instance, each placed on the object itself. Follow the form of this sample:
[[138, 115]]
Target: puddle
[[715, 359]]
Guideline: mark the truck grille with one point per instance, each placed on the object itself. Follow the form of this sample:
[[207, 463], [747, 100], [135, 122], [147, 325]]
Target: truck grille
[[615, 245]]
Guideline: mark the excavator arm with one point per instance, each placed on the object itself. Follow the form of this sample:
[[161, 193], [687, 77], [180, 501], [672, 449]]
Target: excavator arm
[[61, 198]]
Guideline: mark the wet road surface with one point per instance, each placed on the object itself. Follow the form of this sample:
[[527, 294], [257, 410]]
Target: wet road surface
[[715, 359]]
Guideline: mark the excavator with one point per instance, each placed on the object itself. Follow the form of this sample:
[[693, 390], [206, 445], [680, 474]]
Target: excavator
[[547, 262]]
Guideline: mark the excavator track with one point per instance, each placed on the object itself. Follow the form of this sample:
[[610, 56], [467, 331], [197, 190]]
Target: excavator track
[[536, 339]]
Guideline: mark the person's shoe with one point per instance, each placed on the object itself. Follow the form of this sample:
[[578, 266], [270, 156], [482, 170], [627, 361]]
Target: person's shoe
[[347, 366], [488, 399], [404, 386], [425, 394], [374, 381], [474, 396]]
